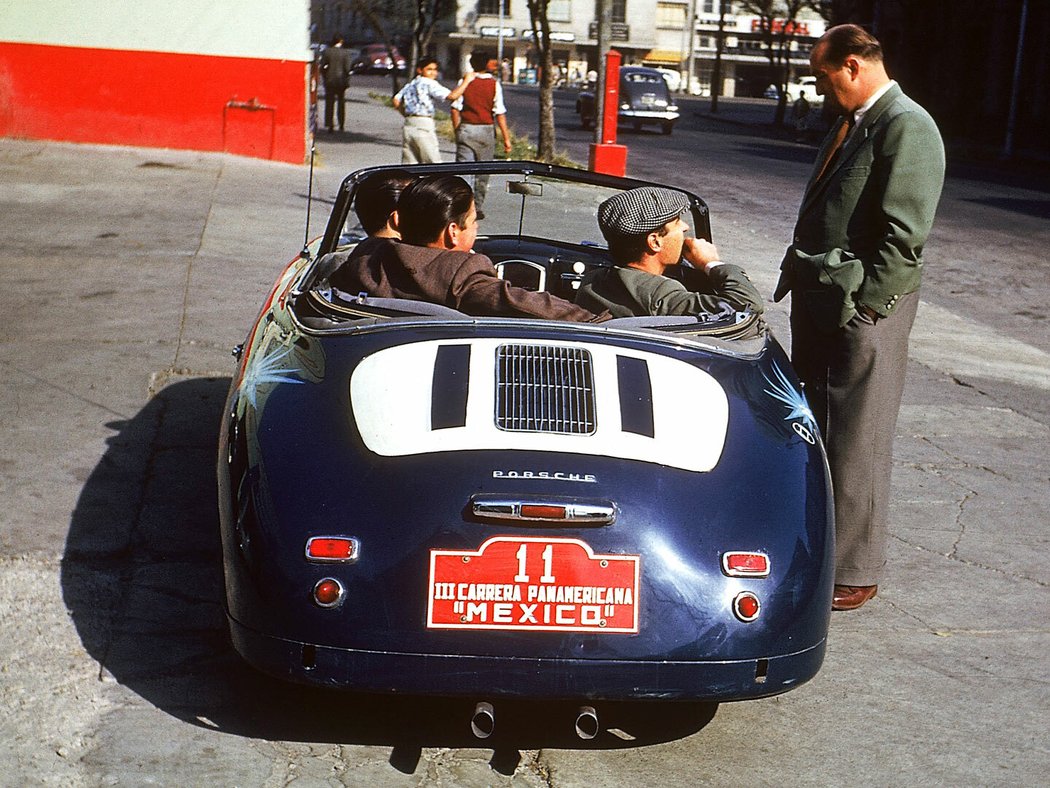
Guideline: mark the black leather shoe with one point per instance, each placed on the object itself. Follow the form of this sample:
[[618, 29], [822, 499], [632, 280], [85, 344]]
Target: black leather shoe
[[852, 597]]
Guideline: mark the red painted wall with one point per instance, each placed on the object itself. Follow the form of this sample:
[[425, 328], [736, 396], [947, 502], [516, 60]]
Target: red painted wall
[[247, 106]]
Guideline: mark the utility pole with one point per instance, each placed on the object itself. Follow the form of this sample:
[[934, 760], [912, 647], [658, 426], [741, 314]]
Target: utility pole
[[716, 74], [499, 39], [603, 16], [690, 59]]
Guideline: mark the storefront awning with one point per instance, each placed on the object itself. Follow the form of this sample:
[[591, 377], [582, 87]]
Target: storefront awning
[[669, 57]]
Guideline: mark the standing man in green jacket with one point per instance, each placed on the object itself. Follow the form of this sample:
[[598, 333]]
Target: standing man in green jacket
[[853, 270], [646, 235]]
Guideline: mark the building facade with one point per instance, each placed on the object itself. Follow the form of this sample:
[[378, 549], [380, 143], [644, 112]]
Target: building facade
[[646, 32]]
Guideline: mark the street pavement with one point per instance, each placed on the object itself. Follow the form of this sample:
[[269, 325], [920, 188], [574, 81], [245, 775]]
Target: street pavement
[[128, 275]]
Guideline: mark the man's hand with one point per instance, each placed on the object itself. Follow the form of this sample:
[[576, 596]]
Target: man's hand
[[700, 252]]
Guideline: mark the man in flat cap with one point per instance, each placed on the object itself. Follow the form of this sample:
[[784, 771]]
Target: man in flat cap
[[646, 235]]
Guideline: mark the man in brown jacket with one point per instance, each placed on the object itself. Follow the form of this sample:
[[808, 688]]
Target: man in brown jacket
[[433, 261]]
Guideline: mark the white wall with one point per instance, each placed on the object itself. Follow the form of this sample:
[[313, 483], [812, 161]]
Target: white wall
[[270, 29]]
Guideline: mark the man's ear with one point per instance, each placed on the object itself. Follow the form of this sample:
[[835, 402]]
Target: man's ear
[[655, 242], [451, 235], [394, 221]]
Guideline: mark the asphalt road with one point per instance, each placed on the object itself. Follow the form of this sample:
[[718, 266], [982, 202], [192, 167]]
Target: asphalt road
[[126, 277]]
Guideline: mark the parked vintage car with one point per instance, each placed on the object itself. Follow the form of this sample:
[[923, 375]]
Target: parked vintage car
[[415, 500], [645, 100], [377, 59]]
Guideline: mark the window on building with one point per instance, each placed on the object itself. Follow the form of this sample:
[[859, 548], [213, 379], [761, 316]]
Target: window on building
[[619, 11], [559, 10], [670, 15], [491, 7]]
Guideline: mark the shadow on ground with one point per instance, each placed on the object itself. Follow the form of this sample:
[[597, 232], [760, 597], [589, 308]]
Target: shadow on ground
[[142, 578]]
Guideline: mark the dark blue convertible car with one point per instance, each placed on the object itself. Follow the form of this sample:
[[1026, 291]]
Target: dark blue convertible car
[[414, 500]]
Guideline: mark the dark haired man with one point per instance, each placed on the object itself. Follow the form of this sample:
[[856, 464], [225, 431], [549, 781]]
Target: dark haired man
[[473, 115], [853, 269], [375, 202], [335, 71], [646, 235], [433, 262]]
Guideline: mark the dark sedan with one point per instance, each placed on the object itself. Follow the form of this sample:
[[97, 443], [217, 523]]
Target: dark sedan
[[645, 100]]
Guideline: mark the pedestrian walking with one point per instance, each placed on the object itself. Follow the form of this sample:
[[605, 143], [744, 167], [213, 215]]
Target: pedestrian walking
[[335, 71], [473, 116], [416, 102], [853, 270]]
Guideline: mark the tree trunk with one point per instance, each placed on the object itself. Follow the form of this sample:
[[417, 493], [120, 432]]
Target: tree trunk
[[541, 35], [545, 148]]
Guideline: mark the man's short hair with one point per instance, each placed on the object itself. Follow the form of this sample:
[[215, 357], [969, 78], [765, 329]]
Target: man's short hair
[[479, 59], [429, 204], [842, 41], [376, 198]]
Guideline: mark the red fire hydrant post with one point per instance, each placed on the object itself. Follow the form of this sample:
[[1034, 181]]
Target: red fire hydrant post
[[606, 156]]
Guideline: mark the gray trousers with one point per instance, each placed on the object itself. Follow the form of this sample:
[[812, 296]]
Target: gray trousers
[[476, 142], [419, 142], [854, 380]]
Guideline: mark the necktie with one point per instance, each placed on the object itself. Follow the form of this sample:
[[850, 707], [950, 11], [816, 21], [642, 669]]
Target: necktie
[[846, 123]]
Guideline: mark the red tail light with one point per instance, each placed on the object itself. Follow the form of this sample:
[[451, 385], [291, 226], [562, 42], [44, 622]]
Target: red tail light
[[542, 512], [328, 592], [746, 606], [327, 549], [744, 564]]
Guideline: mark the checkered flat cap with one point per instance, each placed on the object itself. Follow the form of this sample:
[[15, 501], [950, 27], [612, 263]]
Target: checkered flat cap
[[640, 211]]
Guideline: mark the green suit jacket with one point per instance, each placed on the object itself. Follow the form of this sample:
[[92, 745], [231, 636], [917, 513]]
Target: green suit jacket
[[862, 227], [627, 292]]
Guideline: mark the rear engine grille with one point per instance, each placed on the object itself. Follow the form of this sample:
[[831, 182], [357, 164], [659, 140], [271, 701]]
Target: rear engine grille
[[544, 389]]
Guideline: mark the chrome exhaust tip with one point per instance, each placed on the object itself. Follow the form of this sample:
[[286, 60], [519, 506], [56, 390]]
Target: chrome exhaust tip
[[483, 721], [586, 723]]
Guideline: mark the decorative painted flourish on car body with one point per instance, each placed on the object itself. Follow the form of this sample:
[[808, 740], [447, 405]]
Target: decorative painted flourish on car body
[[271, 368], [793, 398]]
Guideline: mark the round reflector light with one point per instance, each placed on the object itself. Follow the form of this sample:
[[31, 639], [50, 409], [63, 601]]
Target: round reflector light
[[746, 606], [328, 592]]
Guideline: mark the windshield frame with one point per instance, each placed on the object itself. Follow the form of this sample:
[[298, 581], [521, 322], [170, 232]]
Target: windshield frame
[[344, 200]]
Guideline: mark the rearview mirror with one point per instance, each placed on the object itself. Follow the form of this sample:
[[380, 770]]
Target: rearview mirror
[[524, 187]]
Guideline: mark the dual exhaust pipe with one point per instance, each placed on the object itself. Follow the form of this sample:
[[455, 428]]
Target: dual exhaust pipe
[[483, 721]]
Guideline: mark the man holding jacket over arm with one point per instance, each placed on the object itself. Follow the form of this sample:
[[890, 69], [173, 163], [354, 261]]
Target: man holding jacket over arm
[[853, 270]]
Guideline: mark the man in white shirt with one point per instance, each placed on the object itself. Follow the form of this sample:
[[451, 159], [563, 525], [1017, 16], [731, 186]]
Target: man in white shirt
[[419, 144]]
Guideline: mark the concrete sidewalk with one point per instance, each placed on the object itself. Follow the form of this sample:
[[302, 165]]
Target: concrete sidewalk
[[127, 277]]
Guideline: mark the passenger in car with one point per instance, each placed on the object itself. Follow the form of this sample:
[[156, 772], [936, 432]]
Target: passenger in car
[[375, 203], [646, 235], [434, 261]]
